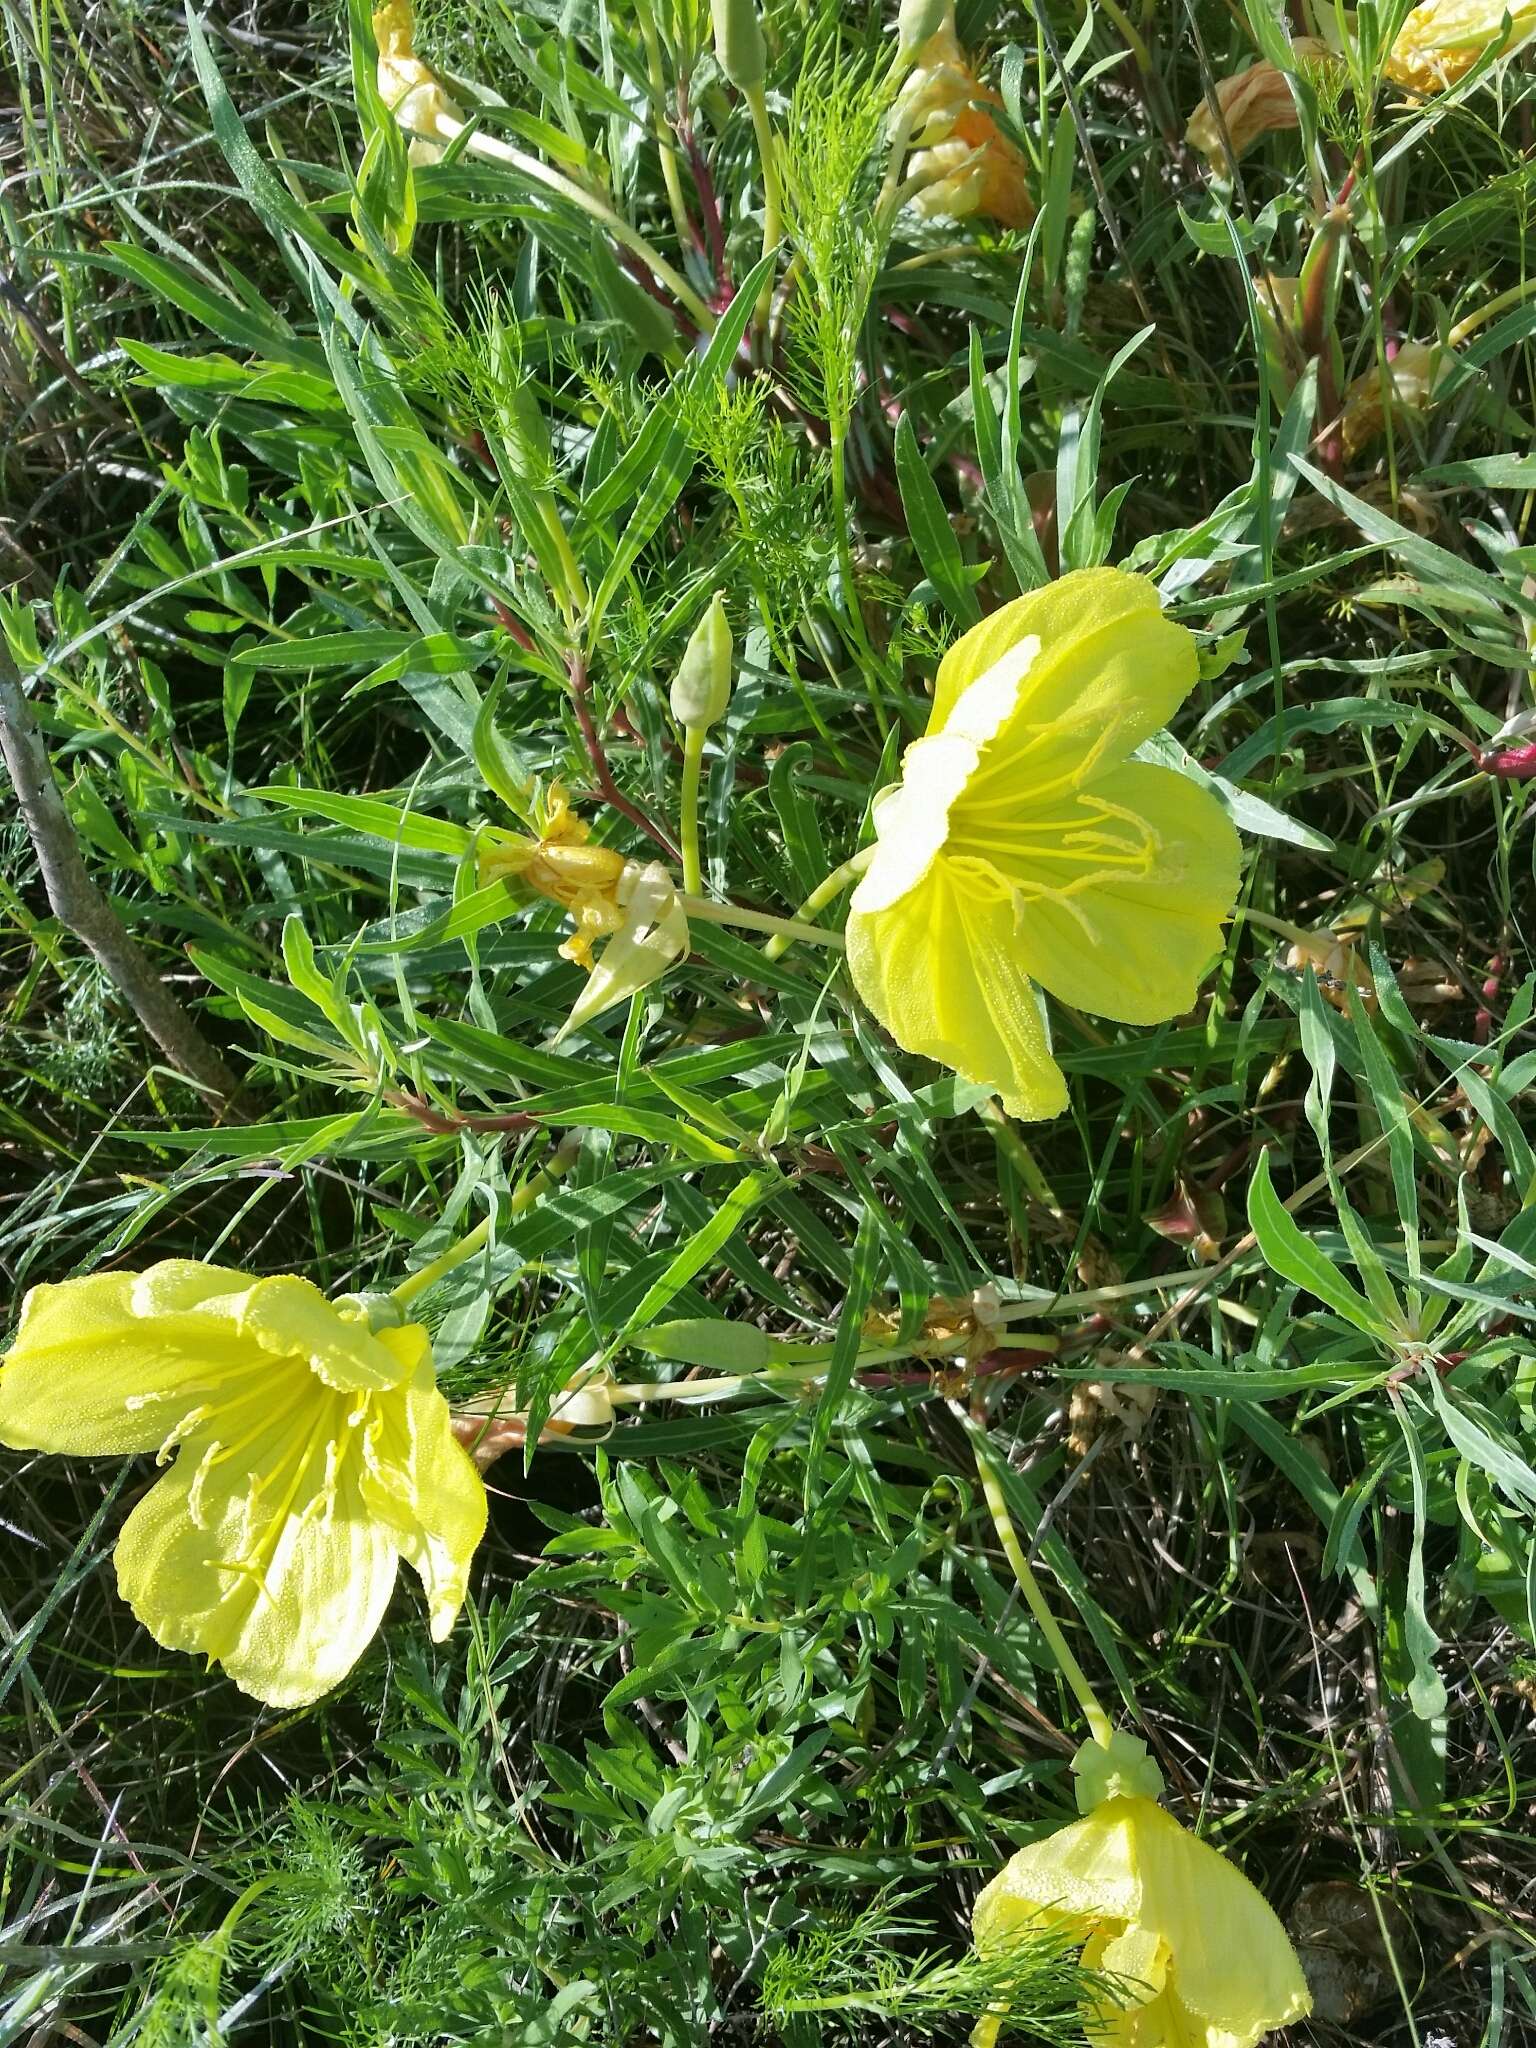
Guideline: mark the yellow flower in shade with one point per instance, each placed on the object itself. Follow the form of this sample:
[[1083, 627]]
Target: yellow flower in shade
[[1197, 1957], [312, 1452], [966, 162], [1415, 375], [1442, 39], [1252, 103], [1023, 845]]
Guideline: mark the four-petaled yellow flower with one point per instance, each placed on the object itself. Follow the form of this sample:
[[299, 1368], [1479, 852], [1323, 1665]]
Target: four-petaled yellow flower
[[1024, 846], [312, 1452], [1198, 1958], [1442, 39]]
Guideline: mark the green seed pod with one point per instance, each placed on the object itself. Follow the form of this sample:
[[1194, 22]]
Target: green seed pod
[[739, 45], [713, 1344], [917, 21], [701, 689]]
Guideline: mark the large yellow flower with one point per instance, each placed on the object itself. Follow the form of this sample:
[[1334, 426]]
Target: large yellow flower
[[1023, 845], [312, 1452], [1443, 39], [1200, 1958]]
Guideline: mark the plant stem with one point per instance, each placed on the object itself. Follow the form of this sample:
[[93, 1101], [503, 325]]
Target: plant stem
[[693, 765], [991, 1485], [772, 195], [416, 1284], [669, 170], [760, 921], [81, 908], [1465, 328], [448, 129], [838, 432], [607, 788], [824, 892]]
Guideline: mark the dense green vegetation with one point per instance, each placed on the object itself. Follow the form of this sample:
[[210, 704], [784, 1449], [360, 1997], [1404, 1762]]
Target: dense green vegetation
[[358, 498]]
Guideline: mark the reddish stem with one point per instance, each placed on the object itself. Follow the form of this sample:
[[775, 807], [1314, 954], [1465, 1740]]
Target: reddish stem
[[602, 774], [709, 205], [444, 1123]]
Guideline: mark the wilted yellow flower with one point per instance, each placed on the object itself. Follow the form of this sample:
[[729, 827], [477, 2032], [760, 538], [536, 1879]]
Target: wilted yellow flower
[[1201, 1959], [1442, 39], [1253, 103], [632, 904], [412, 91], [312, 1452], [1341, 974], [966, 162], [1024, 846], [487, 1427], [1416, 372]]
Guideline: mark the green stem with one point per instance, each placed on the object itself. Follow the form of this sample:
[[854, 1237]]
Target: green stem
[[762, 127], [838, 428], [759, 921], [416, 1284], [823, 893], [693, 765], [1463, 328], [496, 151], [669, 170], [1099, 1726]]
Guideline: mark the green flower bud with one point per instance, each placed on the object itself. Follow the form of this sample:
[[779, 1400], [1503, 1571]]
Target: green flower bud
[[701, 689], [917, 21], [739, 45]]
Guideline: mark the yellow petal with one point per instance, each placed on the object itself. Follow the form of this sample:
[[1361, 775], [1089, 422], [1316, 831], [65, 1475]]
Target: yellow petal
[[1085, 1872], [1129, 1869], [911, 818], [1233, 1972], [113, 1363], [940, 967], [1124, 890], [1071, 677], [290, 1318], [1442, 39], [421, 1481], [267, 1562]]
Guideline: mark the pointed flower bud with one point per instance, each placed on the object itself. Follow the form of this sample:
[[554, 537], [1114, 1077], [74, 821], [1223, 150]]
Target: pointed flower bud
[[701, 689], [739, 47], [917, 21]]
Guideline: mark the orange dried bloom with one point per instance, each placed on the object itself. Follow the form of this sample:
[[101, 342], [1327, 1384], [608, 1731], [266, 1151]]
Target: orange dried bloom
[[1252, 103]]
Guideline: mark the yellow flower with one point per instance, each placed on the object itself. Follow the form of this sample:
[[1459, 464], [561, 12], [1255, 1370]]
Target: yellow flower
[[1443, 39], [1415, 373], [632, 904], [966, 162], [1022, 845], [410, 89], [1252, 103], [1198, 1957], [312, 1452]]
